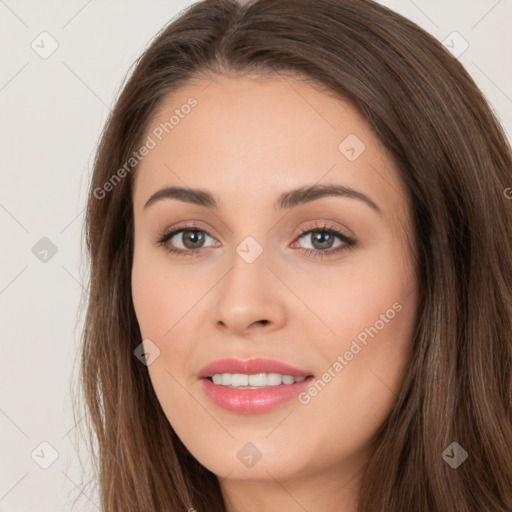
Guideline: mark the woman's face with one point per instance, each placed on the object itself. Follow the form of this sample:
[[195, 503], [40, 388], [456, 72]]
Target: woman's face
[[264, 279]]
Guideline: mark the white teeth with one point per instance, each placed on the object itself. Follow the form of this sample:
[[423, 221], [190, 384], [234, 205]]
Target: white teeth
[[288, 379], [258, 379], [239, 379], [255, 381], [274, 379]]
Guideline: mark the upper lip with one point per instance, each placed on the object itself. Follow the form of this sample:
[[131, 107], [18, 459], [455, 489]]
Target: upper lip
[[251, 367]]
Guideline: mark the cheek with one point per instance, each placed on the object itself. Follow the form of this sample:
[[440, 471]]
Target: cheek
[[161, 313], [161, 296], [165, 301], [368, 374], [368, 294], [372, 311], [153, 300]]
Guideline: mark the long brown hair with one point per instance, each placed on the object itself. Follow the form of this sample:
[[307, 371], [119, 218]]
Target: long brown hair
[[456, 164]]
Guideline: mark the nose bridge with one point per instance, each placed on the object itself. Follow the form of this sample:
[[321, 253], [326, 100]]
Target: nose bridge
[[254, 243], [250, 236], [247, 295], [250, 250], [249, 267]]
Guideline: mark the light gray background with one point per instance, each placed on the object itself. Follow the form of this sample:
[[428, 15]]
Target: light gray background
[[52, 112]]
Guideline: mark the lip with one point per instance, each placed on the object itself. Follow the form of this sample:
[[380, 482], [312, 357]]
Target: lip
[[252, 401], [250, 367]]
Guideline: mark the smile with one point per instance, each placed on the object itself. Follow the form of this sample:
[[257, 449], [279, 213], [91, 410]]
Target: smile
[[253, 381]]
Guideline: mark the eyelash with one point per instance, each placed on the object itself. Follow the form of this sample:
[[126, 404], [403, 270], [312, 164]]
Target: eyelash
[[349, 243]]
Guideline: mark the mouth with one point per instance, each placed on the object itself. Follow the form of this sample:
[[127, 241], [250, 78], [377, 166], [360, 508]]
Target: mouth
[[252, 367], [252, 386]]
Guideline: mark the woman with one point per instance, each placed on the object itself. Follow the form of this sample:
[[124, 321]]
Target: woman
[[227, 366]]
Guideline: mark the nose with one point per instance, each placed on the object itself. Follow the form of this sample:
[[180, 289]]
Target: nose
[[250, 298]]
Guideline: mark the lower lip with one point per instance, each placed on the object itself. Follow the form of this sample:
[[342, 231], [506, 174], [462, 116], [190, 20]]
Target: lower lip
[[252, 401]]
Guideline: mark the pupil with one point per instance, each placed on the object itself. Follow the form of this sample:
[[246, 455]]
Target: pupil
[[195, 236], [322, 238]]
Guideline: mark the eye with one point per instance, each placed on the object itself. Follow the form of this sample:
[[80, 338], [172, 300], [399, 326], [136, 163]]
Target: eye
[[192, 238], [323, 240]]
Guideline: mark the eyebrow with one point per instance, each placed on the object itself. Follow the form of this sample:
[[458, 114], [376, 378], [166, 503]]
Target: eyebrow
[[288, 199]]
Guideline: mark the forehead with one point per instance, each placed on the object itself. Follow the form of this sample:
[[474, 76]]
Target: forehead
[[248, 139]]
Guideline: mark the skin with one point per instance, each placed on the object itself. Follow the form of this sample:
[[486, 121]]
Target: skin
[[247, 141]]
